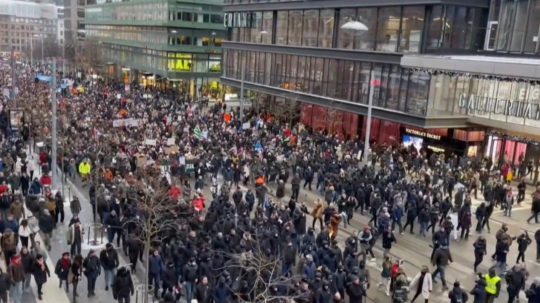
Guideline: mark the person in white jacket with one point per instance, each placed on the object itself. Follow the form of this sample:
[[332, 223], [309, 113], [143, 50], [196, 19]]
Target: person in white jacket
[[423, 284]]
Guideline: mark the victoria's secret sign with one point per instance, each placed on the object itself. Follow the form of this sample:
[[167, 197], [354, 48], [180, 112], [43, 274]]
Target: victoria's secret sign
[[527, 104], [239, 19]]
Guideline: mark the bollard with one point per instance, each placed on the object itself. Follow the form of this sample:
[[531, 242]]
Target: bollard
[[89, 234]]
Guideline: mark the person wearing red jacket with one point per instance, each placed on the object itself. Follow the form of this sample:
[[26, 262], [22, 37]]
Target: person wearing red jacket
[[175, 192], [45, 180], [199, 203]]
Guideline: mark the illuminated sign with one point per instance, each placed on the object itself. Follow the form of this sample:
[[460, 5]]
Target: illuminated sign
[[179, 62], [239, 19], [422, 134]]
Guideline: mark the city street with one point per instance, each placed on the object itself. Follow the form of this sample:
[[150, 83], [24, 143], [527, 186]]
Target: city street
[[413, 249]]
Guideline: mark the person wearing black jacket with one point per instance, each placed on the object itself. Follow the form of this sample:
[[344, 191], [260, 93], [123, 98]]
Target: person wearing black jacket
[[523, 242], [457, 294], [123, 287], [109, 261], [59, 214], [515, 282], [324, 295], [134, 250], [91, 270], [41, 272], [355, 290], [537, 239], [46, 226], [479, 251], [203, 292]]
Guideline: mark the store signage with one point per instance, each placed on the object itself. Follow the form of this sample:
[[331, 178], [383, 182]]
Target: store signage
[[239, 19], [520, 108], [422, 134]]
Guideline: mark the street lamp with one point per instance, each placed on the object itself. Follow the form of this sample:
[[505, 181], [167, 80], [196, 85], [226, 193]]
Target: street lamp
[[357, 26]]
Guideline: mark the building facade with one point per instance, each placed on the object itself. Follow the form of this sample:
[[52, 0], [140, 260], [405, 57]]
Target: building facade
[[164, 43], [457, 76], [28, 26]]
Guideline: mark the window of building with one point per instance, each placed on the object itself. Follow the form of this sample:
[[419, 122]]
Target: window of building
[[295, 28], [346, 36], [366, 39], [533, 29], [281, 27], [520, 25], [388, 28], [267, 27], [187, 16], [326, 28], [310, 28], [435, 29], [411, 28]]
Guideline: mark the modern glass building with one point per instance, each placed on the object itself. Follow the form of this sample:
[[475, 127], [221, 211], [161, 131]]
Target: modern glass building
[[464, 76], [162, 43]]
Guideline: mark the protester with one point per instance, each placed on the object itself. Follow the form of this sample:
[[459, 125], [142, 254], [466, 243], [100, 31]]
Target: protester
[[109, 261], [40, 272], [91, 269], [423, 284]]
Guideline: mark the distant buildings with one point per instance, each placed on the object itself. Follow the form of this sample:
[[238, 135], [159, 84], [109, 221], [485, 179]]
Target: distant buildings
[[28, 25], [160, 43]]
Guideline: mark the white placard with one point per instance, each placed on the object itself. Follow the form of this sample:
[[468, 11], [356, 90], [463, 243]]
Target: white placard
[[246, 125], [152, 142]]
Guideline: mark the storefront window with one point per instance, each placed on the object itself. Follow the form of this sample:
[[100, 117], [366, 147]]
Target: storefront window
[[411, 28], [309, 30], [295, 28], [388, 28], [392, 91], [326, 28], [366, 40], [281, 27]]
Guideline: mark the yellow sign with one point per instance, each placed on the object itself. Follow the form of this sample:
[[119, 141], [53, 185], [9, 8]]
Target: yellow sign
[[179, 62]]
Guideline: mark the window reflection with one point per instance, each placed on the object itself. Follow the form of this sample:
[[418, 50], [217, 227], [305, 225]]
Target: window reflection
[[411, 28], [310, 26], [388, 28], [326, 28]]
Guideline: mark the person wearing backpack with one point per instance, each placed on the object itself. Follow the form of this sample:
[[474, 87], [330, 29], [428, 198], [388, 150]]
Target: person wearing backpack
[[9, 245], [457, 294]]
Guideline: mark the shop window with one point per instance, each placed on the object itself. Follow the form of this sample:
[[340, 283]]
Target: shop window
[[216, 19], [388, 23], [411, 28]]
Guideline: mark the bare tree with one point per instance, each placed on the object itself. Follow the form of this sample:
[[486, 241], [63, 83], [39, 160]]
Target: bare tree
[[259, 276], [159, 216]]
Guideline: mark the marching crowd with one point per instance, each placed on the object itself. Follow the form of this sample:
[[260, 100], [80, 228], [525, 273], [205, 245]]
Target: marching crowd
[[170, 175]]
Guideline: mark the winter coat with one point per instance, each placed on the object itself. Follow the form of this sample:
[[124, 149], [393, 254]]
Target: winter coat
[[441, 257], [4, 283], [109, 259], [479, 292], [40, 275], [356, 293], [427, 285], [123, 285], [155, 265], [46, 223], [387, 239], [533, 293]]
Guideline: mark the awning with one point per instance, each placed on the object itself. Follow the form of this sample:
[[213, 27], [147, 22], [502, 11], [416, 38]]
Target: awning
[[522, 68]]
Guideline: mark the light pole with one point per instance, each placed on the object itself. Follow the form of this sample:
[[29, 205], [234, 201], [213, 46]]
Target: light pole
[[54, 117], [372, 84], [32, 51]]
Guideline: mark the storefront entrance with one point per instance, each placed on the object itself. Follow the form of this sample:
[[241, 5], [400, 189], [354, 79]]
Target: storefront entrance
[[520, 153]]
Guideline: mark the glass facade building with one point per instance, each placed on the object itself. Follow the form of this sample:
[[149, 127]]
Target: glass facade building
[[468, 71], [164, 43]]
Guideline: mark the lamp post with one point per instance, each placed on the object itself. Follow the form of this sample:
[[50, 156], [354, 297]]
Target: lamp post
[[373, 83], [54, 140]]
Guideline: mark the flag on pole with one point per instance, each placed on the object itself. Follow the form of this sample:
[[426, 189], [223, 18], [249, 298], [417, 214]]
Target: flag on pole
[[197, 132]]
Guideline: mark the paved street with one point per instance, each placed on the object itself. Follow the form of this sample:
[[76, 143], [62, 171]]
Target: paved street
[[413, 249]]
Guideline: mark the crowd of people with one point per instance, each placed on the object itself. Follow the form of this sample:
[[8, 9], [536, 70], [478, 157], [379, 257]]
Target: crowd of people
[[193, 187]]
